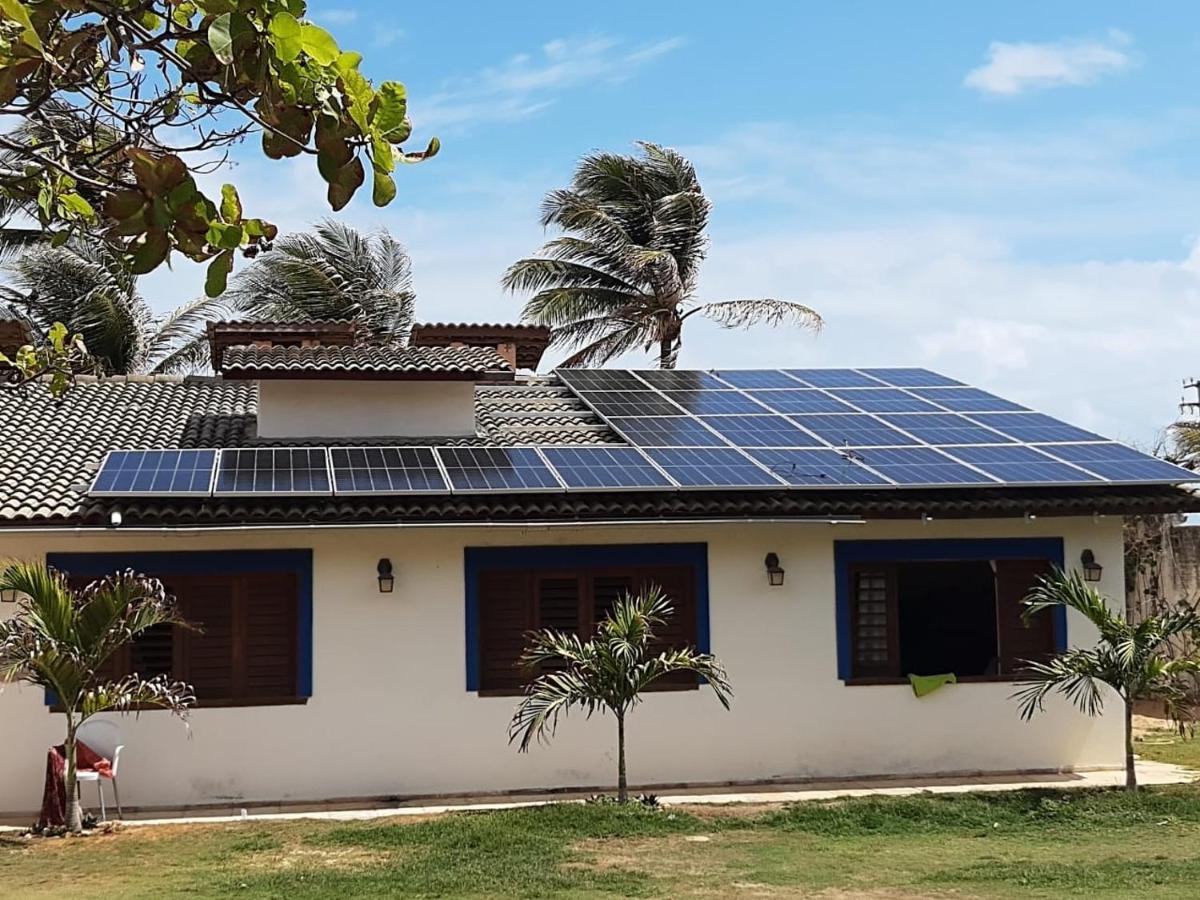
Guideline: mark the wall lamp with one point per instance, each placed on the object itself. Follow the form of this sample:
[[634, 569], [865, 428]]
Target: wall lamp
[[8, 596], [387, 579], [1091, 569], [774, 570]]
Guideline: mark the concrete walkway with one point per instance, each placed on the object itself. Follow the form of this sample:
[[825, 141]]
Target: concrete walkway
[[1149, 773]]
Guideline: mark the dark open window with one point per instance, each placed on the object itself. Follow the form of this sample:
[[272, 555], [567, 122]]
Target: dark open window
[[960, 616]]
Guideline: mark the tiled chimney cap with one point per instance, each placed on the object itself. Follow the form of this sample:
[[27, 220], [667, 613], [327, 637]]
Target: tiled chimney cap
[[527, 342]]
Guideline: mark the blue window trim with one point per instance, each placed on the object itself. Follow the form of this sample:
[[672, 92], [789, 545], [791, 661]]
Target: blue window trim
[[477, 559], [207, 562], [846, 553]]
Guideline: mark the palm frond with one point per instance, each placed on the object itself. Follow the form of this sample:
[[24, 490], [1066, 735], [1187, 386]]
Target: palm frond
[[764, 311]]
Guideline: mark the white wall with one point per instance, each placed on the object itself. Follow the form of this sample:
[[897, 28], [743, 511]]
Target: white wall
[[315, 408], [390, 714]]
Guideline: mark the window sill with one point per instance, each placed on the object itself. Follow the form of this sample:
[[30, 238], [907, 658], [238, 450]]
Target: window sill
[[217, 704], [520, 692], [1011, 678]]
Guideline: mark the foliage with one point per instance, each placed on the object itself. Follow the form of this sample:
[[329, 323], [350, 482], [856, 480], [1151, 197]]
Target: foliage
[[625, 273], [89, 287], [123, 103], [606, 673], [57, 360], [333, 273], [59, 640], [1133, 660]]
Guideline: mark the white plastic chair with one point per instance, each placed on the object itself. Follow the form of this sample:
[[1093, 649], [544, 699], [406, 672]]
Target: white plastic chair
[[104, 738]]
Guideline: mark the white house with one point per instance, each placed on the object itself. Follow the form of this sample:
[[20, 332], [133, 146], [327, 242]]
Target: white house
[[363, 595]]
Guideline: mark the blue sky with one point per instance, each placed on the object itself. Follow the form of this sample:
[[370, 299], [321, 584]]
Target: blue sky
[[1010, 195]]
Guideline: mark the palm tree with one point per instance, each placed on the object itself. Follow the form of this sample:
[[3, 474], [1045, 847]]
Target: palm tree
[[334, 273], [59, 640], [607, 672], [626, 272], [86, 285], [1134, 661]]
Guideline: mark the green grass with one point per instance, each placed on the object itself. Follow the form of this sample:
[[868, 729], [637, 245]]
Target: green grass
[[1165, 745], [1101, 845]]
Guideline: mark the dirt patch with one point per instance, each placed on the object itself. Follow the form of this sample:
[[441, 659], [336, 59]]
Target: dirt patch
[[727, 810], [343, 859]]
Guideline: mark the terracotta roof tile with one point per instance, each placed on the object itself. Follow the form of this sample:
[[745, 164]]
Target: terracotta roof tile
[[390, 361]]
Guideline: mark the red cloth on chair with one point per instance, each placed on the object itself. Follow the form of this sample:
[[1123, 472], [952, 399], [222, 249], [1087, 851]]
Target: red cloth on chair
[[54, 795]]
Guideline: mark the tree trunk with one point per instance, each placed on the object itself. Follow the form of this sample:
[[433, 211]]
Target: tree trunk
[[1130, 770], [622, 784], [74, 809], [666, 354]]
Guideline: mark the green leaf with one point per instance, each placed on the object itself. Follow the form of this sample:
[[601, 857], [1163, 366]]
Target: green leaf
[[318, 44], [231, 205], [76, 205], [220, 37], [150, 252], [16, 11], [347, 60], [428, 153], [285, 36], [226, 237], [60, 237], [57, 334], [392, 108], [382, 154], [218, 274], [383, 190], [121, 205], [360, 94]]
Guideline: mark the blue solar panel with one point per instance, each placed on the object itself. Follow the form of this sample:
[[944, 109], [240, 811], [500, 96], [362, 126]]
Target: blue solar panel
[[804, 400], [601, 380], [815, 467], [967, 400], [715, 402], [760, 431], [629, 403], [911, 377], [919, 465], [757, 378], [883, 400], [679, 380], [1117, 462], [666, 432], [476, 469], [854, 430], [1016, 464], [827, 378], [386, 470], [179, 473], [253, 471], [604, 467], [711, 467], [945, 428], [1034, 428]]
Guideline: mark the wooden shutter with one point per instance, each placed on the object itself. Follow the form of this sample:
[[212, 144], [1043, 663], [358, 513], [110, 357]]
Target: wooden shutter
[[607, 589], [268, 658], [557, 604], [678, 585], [505, 615], [1020, 641], [208, 656], [874, 637]]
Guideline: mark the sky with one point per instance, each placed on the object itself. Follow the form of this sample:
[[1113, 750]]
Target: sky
[[1006, 193]]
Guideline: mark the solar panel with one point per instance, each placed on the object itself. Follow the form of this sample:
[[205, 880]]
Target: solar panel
[[478, 469], [911, 377], [826, 378], [1035, 428], [919, 465], [945, 428], [715, 402], [1016, 464], [760, 431], [680, 431], [711, 467], [883, 400], [1116, 462], [853, 430], [815, 467], [630, 403], [601, 380], [679, 380], [967, 400], [757, 378], [177, 473], [251, 471], [599, 468], [386, 470], [804, 400]]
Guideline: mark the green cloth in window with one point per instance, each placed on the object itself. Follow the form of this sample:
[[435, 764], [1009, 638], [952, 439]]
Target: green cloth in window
[[927, 684]]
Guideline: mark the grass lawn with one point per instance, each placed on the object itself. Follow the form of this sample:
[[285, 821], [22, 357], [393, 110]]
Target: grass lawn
[[1043, 843], [1165, 745]]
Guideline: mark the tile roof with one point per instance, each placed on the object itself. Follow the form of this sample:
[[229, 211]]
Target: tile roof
[[382, 361]]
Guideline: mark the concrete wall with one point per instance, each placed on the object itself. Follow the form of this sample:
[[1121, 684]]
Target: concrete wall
[[312, 409], [390, 714]]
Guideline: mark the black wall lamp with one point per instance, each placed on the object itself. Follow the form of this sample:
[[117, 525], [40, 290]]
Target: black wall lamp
[[387, 578], [8, 596], [774, 570], [1092, 570]]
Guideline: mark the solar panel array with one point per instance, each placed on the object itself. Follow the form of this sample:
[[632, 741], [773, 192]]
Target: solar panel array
[[758, 428]]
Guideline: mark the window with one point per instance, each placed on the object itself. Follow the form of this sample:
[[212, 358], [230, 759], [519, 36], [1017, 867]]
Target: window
[[512, 592], [253, 647], [925, 607]]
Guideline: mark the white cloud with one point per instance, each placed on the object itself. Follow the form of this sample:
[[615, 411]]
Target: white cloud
[[527, 83], [1014, 68], [335, 16], [386, 36]]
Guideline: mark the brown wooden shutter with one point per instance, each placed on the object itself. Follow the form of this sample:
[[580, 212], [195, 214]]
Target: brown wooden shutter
[[873, 627], [269, 645], [208, 657], [505, 614], [607, 589], [557, 605], [1019, 640]]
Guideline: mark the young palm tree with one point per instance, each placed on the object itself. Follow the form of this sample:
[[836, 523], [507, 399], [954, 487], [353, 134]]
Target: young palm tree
[[607, 672], [333, 273], [1134, 661], [625, 273], [59, 640], [89, 288]]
